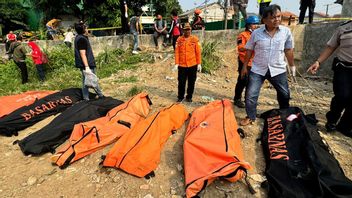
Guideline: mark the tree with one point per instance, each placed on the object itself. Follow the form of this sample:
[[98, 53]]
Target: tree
[[164, 7], [12, 15]]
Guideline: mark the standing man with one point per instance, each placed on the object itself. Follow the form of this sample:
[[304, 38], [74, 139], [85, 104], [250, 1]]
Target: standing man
[[176, 27], [188, 62], [242, 39], [84, 58], [304, 5], [124, 16], [134, 28], [271, 43], [238, 6], [341, 42], [159, 30], [262, 5], [19, 52]]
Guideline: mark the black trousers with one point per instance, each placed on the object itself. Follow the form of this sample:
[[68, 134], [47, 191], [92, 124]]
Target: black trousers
[[342, 100], [241, 82], [157, 35], [40, 71], [303, 9], [24, 72], [186, 74]]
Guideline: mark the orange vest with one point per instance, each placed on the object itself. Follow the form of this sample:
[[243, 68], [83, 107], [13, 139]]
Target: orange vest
[[212, 147], [9, 104], [91, 136], [188, 51], [242, 40], [138, 152]]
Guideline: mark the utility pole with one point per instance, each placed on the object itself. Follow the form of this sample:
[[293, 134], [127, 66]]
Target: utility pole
[[327, 9], [225, 14]]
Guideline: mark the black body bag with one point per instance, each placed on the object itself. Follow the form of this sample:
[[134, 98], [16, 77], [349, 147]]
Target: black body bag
[[298, 163], [27, 116], [59, 130]]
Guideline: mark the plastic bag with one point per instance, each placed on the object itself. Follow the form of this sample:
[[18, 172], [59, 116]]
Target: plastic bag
[[90, 80]]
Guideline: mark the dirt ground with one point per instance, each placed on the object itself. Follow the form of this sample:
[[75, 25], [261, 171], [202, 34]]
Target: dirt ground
[[22, 176]]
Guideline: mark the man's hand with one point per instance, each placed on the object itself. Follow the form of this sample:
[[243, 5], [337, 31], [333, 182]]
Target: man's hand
[[126, 15], [244, 72], [175, 67], [293, 70], [314, 67], [88, 70], [199, 68]]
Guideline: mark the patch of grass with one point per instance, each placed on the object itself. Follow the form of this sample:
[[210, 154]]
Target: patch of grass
[[210, 61], [134, 91], [61, 73], [130, 79]]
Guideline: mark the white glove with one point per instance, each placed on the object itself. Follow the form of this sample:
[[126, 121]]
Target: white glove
[[175, 67], [126, 15], [88, 70], [167, 35], [199, 68], [293, 70]]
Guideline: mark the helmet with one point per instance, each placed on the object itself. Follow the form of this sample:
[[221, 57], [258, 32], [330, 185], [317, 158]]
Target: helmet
[[197, 11], [252, 20]]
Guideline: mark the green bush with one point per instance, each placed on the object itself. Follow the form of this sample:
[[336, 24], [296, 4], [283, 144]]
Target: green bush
[[210, 61], [134, 91], [61, 73]]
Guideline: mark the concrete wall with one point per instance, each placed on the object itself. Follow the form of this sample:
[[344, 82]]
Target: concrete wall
[[309, 42], [347, 8]]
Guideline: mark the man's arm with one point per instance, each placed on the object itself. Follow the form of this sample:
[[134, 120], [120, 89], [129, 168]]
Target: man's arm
[[83, 55], [323, 56], [289, 56], [248, 56]]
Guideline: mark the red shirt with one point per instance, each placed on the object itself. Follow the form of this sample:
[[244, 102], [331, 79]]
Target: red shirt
[[36, 53]]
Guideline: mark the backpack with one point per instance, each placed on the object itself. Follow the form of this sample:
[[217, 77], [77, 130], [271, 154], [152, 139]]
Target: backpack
[[212, 148], [298, 163]]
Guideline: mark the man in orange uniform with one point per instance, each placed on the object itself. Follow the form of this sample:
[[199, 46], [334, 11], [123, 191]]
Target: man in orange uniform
[[242, 39], [188, 62]]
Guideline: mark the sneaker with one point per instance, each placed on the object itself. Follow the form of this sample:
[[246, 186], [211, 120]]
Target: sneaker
[[239, 103], [188, 99], [330, 127], [179, 100], [246, 121], [135, 52], [164, 44]]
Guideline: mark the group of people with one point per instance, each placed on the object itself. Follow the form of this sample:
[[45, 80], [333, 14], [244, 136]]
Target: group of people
[[262, 51]]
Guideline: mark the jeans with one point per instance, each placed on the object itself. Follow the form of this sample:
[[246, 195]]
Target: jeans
[[157, 35], [40, 71], [135, 41], [253, 89], [184, 74], [85, 90], [237, 9], [342, 100]]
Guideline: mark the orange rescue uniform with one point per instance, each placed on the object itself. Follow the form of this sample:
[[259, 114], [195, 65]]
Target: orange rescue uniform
[[187, 52], [242, 40]]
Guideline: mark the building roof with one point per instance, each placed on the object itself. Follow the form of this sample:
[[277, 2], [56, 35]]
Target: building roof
[[202, 7], [287, 14]]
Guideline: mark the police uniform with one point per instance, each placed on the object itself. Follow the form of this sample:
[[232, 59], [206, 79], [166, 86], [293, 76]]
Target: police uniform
[[342, 80]]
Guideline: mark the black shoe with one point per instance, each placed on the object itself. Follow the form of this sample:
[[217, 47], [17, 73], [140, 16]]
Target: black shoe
[[239, 103], [179, 100], [330, 127], [188, 99]]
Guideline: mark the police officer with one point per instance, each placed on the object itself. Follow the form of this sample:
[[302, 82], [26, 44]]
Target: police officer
[[342, 80]]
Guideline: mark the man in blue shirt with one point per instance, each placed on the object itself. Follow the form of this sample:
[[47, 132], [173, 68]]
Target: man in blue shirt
[[271, 43]]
